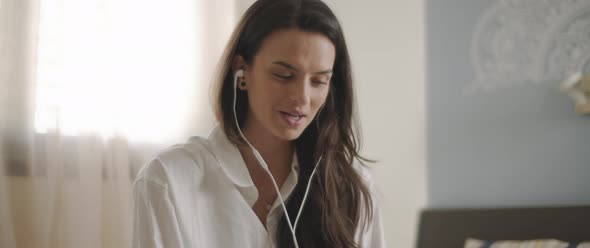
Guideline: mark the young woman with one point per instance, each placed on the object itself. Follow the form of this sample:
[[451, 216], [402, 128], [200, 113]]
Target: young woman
[[285, 144]]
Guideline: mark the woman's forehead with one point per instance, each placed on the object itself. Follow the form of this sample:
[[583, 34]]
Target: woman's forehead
[[304, 50]]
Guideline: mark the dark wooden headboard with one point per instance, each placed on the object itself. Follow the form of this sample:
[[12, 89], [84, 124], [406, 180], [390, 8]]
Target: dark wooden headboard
[[449, 228]]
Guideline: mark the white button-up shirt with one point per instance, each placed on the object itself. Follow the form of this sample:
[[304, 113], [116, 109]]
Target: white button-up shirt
[[200, 194]]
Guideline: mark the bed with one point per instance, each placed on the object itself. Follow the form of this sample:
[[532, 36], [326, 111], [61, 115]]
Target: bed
[[449, 228]]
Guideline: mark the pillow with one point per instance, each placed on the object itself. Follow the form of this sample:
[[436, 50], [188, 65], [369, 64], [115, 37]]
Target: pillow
[[540, 243]]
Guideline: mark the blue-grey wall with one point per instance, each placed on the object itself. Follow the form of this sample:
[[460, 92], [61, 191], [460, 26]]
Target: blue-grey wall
[[520, 146]]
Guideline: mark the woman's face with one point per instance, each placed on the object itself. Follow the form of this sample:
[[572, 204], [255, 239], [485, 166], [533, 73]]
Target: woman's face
[[288, 81]]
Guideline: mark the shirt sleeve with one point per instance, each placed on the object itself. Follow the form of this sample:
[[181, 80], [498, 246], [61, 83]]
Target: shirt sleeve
[[154, 222], [373, 236]]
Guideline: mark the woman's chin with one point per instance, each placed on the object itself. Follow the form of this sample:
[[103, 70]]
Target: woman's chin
[[288, 133]]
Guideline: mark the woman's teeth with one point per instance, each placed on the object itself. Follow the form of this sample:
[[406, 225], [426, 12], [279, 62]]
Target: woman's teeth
[[292, 120], [295, 116]]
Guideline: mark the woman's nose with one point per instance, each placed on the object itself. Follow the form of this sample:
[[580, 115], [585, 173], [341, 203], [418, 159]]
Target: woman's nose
[[300, 92]]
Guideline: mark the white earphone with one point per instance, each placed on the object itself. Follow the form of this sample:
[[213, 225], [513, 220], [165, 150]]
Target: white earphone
[[240, 73]]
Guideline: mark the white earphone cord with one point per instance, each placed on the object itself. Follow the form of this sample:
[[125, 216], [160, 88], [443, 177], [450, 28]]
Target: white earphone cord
[[262, 163]]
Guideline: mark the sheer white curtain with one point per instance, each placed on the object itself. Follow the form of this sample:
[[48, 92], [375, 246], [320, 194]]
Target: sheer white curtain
[[89, 90]]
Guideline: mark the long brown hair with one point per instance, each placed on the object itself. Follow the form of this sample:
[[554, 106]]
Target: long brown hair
[[339, 203]]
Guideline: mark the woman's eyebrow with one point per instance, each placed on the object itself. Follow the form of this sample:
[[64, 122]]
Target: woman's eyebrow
[[287, 65]]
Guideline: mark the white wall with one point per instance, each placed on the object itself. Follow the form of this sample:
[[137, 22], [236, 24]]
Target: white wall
[[386, 41]]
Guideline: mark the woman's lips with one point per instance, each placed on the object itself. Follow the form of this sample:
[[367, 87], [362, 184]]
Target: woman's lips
[[291, 120]]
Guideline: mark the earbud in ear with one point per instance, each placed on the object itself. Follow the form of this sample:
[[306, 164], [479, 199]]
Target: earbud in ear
[[240, 73]]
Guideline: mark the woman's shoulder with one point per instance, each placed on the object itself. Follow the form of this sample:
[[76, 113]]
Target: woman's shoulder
[[365, 171], [180, 162], [362, 169]]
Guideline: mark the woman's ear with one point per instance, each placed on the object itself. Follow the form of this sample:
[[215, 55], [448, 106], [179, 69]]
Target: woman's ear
[[238, 63]]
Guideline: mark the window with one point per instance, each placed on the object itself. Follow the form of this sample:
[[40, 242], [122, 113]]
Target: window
[[116, 67]]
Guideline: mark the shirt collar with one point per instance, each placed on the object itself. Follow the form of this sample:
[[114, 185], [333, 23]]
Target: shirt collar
[[231, 160]]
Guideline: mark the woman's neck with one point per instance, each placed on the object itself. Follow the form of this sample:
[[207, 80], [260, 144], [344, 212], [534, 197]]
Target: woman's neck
[[276, 153]]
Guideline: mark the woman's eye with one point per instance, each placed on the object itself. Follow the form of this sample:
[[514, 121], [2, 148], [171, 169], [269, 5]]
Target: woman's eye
[[320, 82], [283, 76]]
